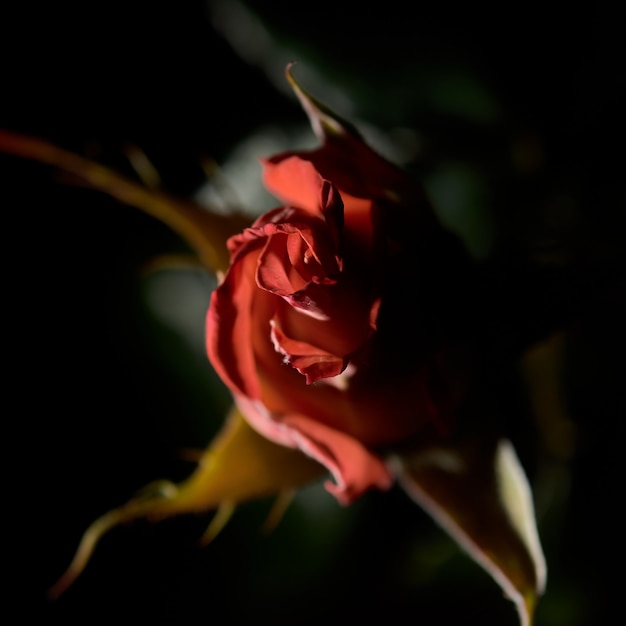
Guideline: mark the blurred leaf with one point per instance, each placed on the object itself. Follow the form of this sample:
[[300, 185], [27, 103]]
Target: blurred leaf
[[461, 198]]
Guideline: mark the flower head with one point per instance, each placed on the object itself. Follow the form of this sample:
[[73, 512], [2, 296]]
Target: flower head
[[336, 327], [334, 334]]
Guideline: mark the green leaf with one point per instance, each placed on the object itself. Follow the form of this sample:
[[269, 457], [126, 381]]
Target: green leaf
[[477, 491]]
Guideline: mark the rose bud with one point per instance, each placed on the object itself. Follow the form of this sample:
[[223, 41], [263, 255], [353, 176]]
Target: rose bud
[[344, 329], [344, 325], [316, 327]]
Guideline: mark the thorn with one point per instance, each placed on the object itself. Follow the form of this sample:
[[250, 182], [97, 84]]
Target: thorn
[[220, 519], [278, 510], [143, 166], [192, 455], [171, 262], [225, 191]]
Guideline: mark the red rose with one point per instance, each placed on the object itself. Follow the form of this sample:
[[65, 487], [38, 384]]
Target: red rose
[[316, 327], [343, 328]]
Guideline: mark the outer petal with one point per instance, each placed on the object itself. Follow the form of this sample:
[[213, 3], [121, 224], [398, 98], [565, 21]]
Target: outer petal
[[230, 317], [298, 183], [354, 467]]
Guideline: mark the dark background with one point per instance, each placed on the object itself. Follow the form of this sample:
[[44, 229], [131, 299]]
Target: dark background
[[519, 111]]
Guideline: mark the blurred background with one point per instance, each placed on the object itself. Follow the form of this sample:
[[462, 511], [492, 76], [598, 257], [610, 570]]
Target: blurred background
[[513, 120]]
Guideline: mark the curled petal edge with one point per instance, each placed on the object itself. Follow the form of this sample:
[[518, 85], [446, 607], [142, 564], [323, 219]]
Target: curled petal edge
[[354, 468]]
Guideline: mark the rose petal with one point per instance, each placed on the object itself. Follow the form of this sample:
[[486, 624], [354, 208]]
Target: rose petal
[[339, 318], [230, 316], [275, 272], [297, 183], [298, 249], [311, 361], [354, 468]]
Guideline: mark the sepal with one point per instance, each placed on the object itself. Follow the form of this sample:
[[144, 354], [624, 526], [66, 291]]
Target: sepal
[[204, 231], [238, 466], [477, 491], [354, 167]]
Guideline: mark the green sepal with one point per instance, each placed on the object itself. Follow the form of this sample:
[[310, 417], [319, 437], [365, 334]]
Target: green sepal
[[204, 231], [477, 491], [239, 465], [354, 167]]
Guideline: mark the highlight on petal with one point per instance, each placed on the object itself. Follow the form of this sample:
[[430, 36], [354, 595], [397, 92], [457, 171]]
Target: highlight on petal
[[238, 466], [295, 182], [229, 316], [478, 492], [355, 468]]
